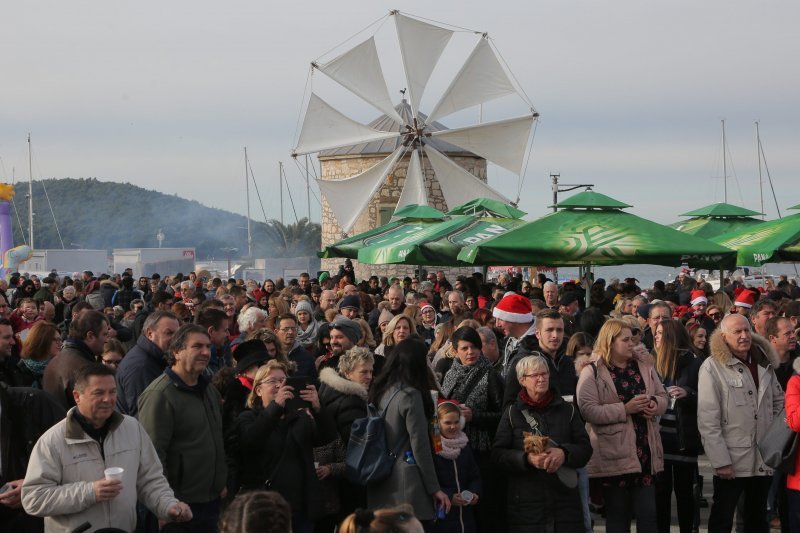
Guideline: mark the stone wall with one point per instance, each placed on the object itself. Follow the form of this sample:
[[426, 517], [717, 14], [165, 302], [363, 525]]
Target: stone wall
[[341, 167]]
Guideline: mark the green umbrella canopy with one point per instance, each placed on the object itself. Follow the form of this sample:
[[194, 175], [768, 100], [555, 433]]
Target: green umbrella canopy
[[708, 227], [436, 244], [350, 246], [418, 212], [721, 210], [593, 229], [774, 241], [487, 207]]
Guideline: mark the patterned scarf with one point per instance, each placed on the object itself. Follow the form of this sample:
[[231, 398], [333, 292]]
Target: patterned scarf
[[36, 367], [451, 448], [467, 385]]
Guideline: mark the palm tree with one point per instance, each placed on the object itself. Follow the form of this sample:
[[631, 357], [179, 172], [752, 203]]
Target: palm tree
[[300, 239]]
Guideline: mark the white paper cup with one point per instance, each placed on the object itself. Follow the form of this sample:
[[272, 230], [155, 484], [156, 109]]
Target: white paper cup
[[467, 496], [316, 465], [114, 472]]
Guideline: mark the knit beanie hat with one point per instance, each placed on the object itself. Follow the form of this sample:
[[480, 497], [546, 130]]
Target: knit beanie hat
[[514, 308], [304, 305], [351, 301], [350, 328]]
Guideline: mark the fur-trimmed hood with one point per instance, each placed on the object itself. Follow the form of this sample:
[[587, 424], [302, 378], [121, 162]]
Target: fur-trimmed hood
[[332, 379], [796, 365], [722, 353]]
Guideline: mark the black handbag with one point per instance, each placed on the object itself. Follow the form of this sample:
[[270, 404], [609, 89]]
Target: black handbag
[[686, 425], [778, 446]]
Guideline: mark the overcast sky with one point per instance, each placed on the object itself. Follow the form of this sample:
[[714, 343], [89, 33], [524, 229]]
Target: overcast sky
[[165, 95]]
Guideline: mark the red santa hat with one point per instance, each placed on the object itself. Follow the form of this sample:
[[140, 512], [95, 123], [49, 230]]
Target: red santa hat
[[746, 298], [698, 297], [514, 308]]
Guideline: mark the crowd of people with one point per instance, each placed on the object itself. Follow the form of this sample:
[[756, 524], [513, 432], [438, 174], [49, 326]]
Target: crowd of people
[[190, 404]]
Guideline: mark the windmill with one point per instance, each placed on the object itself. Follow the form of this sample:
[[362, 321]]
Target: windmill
[[406, 131]]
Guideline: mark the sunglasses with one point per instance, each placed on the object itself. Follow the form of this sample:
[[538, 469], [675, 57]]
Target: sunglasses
[[715, 315]]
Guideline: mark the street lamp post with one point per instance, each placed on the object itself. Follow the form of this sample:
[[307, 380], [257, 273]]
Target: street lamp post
[[228, 251]]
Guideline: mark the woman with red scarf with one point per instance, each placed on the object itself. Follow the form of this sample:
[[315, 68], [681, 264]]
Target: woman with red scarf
[[542, 484]]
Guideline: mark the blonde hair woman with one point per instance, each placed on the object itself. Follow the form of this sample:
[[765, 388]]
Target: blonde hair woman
[[620, 395]]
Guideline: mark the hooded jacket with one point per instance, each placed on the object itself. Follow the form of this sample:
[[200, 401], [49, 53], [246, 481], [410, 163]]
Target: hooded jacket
[[343, 400], [610, 427], [732, 414]]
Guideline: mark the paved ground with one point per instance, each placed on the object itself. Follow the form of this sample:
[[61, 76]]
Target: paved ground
[[705, 471]]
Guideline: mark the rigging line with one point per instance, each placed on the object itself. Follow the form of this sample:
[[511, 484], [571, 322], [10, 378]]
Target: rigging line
[[53, 213], [769, 177], [460, 28], [381, 19], [19, 222], [302, 102], [49, 204], [302, 172], [511, 72], [258, 193], [16, 212], [735, 176], [521, 180], [291, 200]]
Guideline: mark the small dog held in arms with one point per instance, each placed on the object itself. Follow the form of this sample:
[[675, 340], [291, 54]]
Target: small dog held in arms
[[534, 443]]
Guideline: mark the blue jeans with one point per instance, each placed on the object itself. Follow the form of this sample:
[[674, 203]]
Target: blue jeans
[[583, 488]]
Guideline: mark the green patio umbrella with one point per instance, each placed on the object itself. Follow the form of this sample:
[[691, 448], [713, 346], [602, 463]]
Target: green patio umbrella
[[413, 218], [716, 219], [774, 241], [487, 207], [436, 244], [591, 229]]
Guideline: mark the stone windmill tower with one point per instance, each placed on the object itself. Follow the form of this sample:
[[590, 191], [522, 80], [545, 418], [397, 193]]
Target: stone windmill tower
[[349, 161]]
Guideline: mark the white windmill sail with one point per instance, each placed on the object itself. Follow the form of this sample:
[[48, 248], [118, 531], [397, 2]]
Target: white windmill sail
[[458, 186], [414, 191], [480, 80], [503, 142], [421, 46], [349, 197], [325, 128], [359, 70]]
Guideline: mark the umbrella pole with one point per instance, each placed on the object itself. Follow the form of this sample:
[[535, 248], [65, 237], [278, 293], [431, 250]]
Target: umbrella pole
[[588, 268]]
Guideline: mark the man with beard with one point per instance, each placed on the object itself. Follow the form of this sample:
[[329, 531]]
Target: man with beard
[[345, 334]]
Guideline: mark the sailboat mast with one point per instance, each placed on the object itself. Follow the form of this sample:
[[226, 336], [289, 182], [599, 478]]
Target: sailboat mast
[[760, 179], [280, 177], [247, 189], [30, 193], [724, 163]]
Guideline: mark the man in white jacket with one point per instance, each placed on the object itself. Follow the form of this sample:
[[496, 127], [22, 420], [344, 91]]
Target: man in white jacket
[[738, 397], [66, 481]]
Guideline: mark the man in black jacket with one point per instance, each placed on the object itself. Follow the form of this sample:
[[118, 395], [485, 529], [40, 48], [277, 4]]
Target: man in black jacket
[[24, 415], [550, 343], [146, 361]]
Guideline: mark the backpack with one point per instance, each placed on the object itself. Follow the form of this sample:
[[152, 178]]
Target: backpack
[[368, 457], [96, 300]]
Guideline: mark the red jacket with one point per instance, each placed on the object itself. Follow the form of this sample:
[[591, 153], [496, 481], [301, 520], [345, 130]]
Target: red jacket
[[792, 406]]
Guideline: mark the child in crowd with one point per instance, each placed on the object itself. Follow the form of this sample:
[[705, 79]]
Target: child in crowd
[[457, 471]]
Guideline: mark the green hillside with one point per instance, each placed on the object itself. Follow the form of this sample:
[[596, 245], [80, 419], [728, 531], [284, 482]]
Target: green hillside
[[98, 214]]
